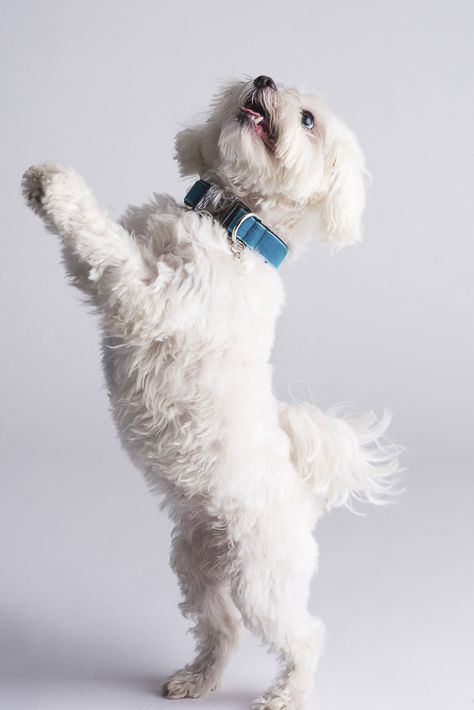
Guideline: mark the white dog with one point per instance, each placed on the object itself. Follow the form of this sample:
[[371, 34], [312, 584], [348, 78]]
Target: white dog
[[188, 298]]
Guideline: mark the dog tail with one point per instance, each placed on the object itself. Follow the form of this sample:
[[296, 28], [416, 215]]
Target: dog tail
[[340, 456]]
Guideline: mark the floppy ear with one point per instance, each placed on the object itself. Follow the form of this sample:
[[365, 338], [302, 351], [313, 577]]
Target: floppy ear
[[343, 203], [188, 145]]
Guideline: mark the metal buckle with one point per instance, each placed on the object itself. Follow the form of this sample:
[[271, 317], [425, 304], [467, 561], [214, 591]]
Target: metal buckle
[[236, 245], [227, 214], [240, 223]]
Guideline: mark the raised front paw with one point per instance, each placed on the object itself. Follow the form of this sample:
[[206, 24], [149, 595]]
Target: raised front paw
[[59, 196], [35, 183]]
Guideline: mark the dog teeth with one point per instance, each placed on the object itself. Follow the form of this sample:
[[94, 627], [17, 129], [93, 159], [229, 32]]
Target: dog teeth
[[258, 119]]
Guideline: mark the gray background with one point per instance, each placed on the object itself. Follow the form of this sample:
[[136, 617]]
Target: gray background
[[88, 614]]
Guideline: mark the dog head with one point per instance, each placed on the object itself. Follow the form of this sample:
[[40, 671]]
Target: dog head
[[284, 154]]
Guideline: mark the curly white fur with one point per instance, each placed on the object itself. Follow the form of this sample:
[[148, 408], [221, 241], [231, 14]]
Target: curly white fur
[[187, 337]]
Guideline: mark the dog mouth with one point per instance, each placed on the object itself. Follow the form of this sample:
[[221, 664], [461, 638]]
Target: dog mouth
[[253, 113]]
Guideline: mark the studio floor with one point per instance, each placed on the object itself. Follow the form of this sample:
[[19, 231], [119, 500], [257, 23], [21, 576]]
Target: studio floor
[[89, 619]]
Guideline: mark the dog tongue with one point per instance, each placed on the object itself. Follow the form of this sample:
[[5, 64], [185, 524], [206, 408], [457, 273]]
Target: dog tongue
[[249, 112], [259, 120]]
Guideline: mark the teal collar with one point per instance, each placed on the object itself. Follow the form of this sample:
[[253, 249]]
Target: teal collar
[[243, 227]]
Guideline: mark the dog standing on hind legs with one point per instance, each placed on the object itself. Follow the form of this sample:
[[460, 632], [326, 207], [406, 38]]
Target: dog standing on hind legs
[[188, 296]]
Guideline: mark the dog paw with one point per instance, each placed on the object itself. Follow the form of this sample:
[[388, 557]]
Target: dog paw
[[59, 196], [277, 702], [188, 684], [34, 184]]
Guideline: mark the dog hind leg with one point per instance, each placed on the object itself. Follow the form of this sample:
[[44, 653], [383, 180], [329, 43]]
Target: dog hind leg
[[271, 591], [200, 565]]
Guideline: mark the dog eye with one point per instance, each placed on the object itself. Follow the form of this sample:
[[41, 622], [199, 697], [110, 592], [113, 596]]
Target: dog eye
[[307, 119]]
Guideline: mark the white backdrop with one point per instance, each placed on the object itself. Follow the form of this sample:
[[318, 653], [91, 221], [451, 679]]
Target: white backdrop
[[87, 604]]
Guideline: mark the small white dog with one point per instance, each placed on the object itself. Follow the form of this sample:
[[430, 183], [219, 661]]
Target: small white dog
[[188, 298]]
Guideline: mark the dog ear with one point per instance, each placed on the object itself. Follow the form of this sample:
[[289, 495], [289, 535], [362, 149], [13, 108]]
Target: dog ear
[[341, 208], [188, 146]]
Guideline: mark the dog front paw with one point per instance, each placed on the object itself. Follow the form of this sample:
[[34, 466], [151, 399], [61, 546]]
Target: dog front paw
[[59, 196], [35, 183]]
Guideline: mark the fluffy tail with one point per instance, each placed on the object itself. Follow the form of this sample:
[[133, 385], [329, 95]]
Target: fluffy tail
[[341, 456]]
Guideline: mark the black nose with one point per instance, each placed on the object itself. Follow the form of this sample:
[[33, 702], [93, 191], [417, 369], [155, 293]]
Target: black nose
[[264, 82]]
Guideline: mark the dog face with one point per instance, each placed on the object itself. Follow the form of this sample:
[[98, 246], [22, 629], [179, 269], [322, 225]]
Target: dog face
[[280, 150]]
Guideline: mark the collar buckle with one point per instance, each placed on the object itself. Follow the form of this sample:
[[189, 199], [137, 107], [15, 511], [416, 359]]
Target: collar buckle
[[231, 213], [232, 216]]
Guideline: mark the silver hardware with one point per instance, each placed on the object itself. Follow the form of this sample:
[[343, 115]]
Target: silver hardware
[[240, 223], [238, 246]]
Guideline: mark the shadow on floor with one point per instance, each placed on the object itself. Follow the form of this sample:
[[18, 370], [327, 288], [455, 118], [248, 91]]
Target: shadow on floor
[[36, 659]]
